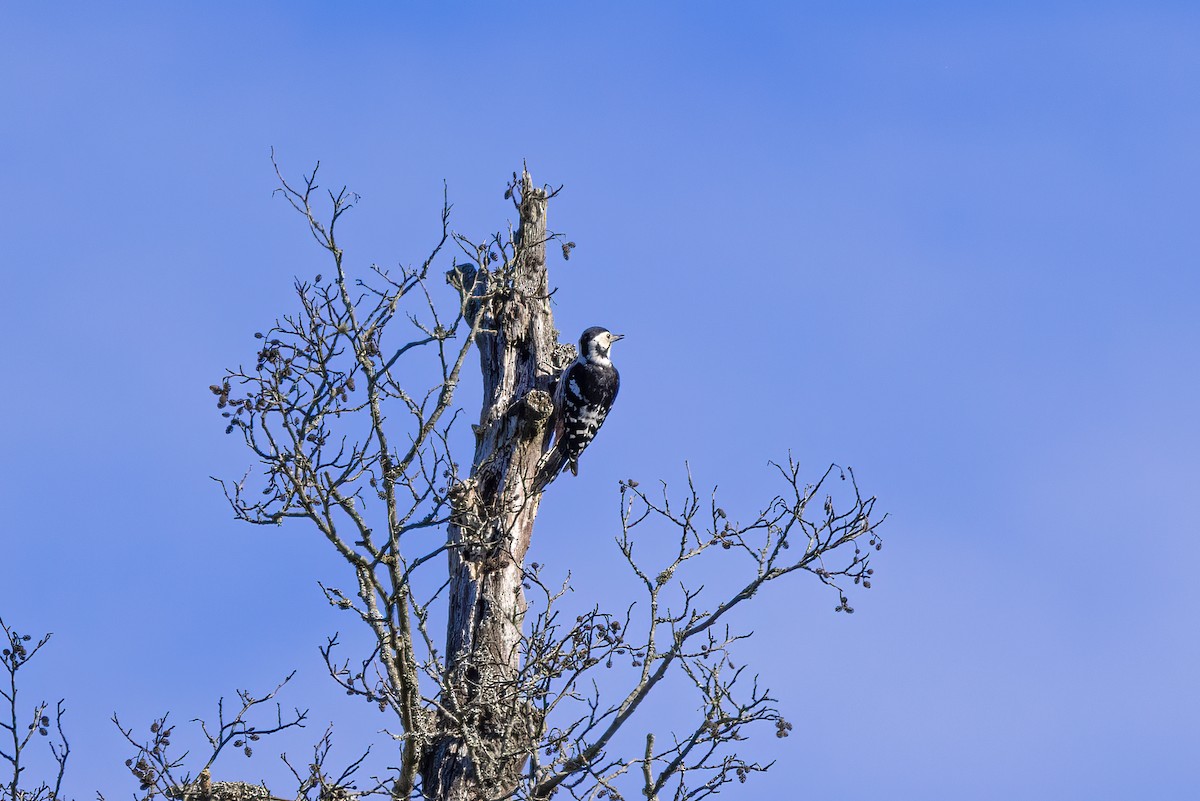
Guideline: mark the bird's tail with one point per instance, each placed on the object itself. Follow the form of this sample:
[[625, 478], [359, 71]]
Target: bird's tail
[[551, 465]]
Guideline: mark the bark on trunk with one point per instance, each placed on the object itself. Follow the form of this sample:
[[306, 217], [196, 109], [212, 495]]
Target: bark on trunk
[[485, 731]]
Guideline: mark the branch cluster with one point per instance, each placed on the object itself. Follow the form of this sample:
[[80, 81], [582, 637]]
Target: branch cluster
[[18, 728], [159, 771], [679, 632]]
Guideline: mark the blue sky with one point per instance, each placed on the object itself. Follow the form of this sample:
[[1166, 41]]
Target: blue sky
[[952, 246]]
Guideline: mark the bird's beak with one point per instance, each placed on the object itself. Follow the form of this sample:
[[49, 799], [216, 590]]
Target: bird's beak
[[617, 336]]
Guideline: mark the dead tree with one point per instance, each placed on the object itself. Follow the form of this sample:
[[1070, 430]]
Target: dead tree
[[350, 409]]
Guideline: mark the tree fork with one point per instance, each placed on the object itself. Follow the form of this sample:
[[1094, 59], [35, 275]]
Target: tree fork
[[484, 731]]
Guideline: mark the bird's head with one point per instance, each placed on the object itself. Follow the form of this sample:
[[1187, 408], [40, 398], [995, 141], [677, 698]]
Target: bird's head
[[596, 341]]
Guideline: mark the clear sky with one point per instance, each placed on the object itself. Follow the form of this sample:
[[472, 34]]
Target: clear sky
[[952, 245]]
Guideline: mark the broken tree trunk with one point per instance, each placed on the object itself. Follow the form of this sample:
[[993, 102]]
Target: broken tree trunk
[[485, 731]]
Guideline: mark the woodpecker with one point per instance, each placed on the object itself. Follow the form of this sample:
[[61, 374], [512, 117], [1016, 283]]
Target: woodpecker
[[585, 392]]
